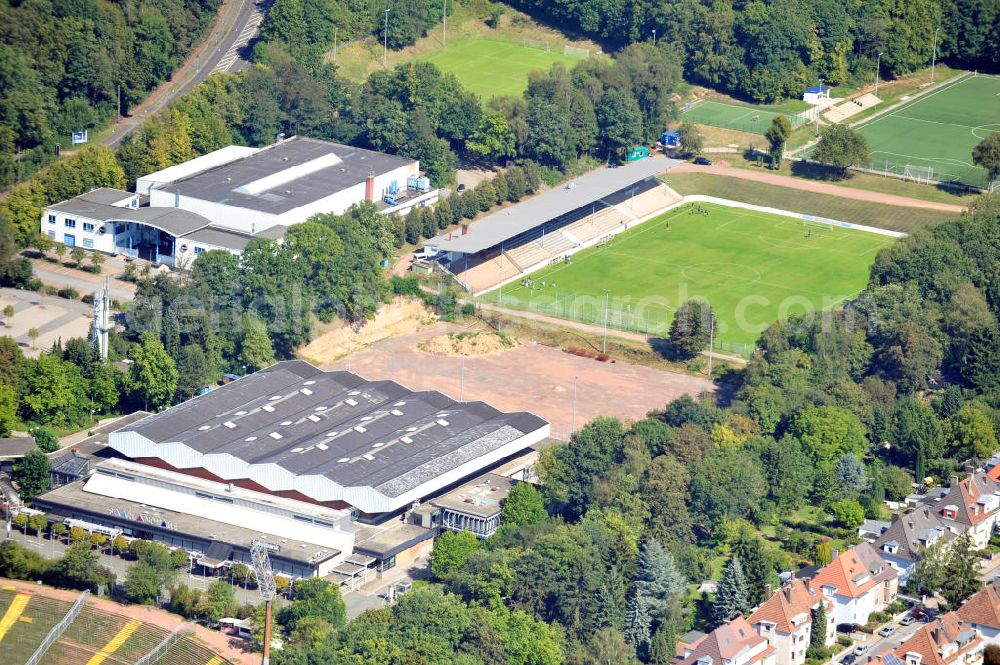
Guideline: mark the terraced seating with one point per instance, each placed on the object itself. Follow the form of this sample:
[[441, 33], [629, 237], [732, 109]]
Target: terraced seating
[[116, 637], [30, 627], [537, 251], [188, 652], [597, 225]]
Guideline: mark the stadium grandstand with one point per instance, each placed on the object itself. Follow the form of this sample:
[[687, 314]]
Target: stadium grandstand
[[552, 225], [37, 628]]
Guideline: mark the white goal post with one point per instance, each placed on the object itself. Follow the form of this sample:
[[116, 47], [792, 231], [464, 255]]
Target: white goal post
[[577, 51], [536, 43]]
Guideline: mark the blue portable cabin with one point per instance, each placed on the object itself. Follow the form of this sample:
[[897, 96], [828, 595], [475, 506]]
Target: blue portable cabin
[[670, 139]]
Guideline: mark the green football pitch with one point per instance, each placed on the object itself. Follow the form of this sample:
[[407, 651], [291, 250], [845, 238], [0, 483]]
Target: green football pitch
[[753, 268], [733, 116], [932, 137], [492, 68]]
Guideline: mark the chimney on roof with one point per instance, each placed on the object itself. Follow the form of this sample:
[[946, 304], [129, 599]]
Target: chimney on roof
[[768, 592], [465, 229], [370, 188], [834, 553], [787, 589], [954, 481], [894, 518]]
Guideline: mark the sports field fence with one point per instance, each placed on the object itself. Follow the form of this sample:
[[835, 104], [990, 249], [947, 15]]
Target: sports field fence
[[650, 323]]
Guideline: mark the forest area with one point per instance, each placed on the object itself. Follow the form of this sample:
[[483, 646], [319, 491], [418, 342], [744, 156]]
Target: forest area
[[769, 51], [62, 62]]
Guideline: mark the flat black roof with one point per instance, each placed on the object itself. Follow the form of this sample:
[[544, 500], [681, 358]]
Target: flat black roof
[[286, 175], [354, 432]]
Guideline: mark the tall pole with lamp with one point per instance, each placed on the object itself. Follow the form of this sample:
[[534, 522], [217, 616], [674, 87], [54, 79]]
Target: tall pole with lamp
[[934, 57], [385, 41], [878, 70]]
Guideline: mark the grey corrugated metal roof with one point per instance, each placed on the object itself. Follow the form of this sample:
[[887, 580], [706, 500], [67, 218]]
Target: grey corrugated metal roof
[[580, 192], [355, 432], [220, 238], [174, 221], [106, 195], [220, 184]]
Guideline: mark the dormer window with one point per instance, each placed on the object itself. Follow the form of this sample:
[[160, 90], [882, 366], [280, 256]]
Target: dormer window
[[913, 658]]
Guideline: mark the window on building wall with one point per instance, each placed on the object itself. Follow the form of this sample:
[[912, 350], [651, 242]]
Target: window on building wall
[[52, 219], [198, 250], [87, 226], [88, 243], [70, 223], [52, 234], [69, 239]]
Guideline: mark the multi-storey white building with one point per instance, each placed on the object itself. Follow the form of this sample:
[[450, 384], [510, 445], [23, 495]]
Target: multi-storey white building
[[224, 199], [785, 620]]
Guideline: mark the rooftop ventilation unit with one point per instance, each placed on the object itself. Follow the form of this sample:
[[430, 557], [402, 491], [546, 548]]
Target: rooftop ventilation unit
[[406, 439], [351, 402], [442, 422], [369, 457], [313, 418], [360, 428]]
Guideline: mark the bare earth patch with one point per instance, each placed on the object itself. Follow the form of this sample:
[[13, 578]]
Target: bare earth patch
[[468, 344], [400, 317]]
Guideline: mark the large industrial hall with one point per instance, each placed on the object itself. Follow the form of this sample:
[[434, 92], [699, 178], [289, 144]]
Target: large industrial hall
[[326, 467]]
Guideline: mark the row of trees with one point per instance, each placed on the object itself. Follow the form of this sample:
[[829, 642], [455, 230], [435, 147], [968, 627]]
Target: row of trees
[[766, 51], [63, 64], [308, 28]]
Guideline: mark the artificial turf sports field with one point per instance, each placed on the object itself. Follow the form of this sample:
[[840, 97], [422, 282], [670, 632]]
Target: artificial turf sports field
[[938, 130], [492, 68], [754, 268], [733, 116]]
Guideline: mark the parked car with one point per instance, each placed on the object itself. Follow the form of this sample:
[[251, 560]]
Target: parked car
[[919, 613], [703, 161], [886, 631], [907, 620], [848, 659], [847, 628], [861, 650], [461, 187]]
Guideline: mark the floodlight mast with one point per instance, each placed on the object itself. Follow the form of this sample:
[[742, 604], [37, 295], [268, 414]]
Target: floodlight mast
[[261, 563]]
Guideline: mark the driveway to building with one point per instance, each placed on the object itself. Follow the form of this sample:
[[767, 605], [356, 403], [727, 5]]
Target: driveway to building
[[880, 645], [61, 276]]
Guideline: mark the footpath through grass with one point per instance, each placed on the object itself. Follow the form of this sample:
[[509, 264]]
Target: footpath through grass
[[893, 218], [752, 267]]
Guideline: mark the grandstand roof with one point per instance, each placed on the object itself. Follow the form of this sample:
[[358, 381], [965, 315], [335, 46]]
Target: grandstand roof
[[513, 221], [332, 436]]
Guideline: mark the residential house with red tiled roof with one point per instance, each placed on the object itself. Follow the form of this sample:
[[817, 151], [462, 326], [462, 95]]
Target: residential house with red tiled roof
[[785, 620], [982, 612], [858, 582], [944, 641], [732, 643]]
